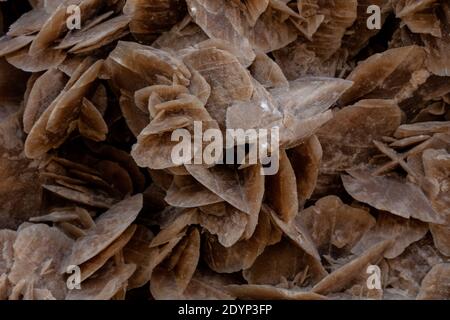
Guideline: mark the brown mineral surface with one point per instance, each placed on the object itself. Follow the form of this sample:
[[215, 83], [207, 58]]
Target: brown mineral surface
[[224, 149]]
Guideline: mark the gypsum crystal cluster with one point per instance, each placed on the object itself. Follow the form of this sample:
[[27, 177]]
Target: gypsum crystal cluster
[[88, 184]]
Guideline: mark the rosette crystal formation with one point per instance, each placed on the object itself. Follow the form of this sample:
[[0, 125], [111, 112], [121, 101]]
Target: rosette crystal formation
[[94, 205]]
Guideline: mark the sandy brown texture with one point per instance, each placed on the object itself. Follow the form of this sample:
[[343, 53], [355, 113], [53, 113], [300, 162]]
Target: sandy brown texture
[[354, 119]]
